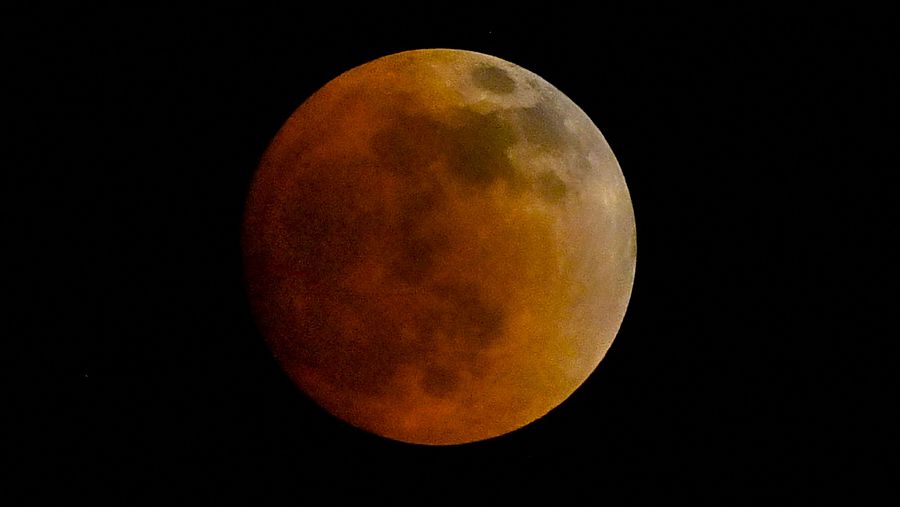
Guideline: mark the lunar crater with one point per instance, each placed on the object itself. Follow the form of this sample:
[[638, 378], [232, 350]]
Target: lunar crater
[[543, 126], [493, 78]]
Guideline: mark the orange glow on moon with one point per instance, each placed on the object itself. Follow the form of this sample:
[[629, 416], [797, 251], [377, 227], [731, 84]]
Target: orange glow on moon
[[439, 247]]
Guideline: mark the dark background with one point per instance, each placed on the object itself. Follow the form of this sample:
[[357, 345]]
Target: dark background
[[749, 365]]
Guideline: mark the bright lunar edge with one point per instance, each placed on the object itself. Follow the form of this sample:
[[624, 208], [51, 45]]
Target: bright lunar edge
[[439, 246]]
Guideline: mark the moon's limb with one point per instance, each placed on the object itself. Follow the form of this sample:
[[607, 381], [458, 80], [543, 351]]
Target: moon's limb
[[439, 246]]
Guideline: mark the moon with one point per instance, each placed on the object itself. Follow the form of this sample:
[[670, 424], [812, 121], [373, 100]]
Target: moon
[[439, 247]]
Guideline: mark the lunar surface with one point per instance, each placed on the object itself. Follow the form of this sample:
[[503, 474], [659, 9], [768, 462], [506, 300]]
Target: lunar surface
[[439, 247]]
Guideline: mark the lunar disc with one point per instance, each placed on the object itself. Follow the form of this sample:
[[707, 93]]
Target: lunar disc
[[439, 246]]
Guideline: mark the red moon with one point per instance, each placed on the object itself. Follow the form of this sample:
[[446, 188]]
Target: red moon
[[439, 247]]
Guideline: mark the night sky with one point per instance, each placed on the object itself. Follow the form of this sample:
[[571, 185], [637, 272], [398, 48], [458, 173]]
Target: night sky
[[749, 365]]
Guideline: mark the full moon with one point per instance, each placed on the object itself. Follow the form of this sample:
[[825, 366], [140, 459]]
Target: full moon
[[439, 247]]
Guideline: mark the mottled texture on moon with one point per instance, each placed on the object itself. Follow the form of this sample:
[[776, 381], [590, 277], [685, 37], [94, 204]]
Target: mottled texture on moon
[[439, 246]]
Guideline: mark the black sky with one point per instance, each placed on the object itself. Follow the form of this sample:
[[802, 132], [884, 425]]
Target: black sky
[[749, 365]]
